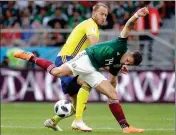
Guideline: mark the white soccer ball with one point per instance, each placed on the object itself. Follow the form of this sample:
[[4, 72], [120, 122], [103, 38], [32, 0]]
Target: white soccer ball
[[63, 108]]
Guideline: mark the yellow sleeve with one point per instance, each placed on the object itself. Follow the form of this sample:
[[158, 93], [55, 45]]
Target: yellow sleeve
[[91, 29]]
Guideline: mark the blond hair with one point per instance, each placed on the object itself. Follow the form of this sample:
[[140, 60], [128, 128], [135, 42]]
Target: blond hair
[[96, 6]]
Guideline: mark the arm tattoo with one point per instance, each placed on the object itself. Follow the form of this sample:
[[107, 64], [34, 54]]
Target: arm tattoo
[[131, 24]]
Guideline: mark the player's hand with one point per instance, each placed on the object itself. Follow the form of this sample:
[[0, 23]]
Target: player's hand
[[142, 12], [124, 69]]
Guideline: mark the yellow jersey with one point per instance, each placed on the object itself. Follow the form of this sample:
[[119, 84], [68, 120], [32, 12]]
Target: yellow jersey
[[77, 40]]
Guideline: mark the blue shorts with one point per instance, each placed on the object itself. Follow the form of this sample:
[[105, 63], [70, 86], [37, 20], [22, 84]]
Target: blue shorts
[[69, 84]]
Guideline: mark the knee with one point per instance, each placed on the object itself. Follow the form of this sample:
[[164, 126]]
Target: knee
[[55, 72], [113, 96], [79, 81], [86, 86]]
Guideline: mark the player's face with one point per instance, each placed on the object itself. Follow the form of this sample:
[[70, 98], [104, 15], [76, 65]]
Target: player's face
[[128, 59], [101, 15]]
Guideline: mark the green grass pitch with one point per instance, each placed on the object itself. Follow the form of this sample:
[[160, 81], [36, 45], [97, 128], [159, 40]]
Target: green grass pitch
[[28, 118]]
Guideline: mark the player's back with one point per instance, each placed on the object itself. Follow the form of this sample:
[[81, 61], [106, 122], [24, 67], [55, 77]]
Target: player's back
[[105, 53], [77, 40]]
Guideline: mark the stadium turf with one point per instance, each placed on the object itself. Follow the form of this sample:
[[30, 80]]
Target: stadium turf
[[28, 118]]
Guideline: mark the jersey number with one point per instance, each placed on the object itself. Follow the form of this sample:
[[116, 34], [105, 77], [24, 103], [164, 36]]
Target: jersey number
[[109, 61]]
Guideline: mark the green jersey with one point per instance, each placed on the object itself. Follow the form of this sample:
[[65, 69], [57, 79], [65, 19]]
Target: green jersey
[[108, 54]]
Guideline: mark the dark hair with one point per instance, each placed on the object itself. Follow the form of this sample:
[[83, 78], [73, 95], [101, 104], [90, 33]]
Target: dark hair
[[96, 6], [137, 58]]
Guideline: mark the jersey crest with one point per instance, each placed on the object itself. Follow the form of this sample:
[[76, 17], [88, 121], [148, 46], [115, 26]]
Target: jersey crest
[[93, 30], [118, 53]]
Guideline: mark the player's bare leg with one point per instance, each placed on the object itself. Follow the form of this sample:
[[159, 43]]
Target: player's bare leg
[[106, 88], [63, 70], [47, 65], [55, 71]]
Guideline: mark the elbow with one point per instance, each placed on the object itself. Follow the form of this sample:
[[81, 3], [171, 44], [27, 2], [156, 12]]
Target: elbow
[[113, 82], [55, 72]]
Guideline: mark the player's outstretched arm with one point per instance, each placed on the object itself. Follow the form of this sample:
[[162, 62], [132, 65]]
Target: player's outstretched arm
[[132, 21]]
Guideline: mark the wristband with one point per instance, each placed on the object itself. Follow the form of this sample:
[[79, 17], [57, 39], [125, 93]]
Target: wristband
[[136, 15]]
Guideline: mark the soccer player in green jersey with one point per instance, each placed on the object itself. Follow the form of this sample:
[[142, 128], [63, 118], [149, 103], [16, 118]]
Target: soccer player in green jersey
[[111, 55]]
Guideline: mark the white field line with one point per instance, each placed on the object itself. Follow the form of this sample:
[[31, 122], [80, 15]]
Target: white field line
[[148, 119], [103, 128]]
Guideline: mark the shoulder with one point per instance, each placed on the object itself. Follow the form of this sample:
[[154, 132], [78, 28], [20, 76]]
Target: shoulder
[[91, 27], [122, 40], [83, 23], [122, 43], [91, 22], [118, 43]]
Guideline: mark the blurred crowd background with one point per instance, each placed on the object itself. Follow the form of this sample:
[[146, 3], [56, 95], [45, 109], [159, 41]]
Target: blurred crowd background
[[64, 15], [57, 15]]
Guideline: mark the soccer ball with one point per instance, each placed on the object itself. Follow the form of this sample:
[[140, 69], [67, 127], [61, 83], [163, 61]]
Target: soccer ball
[[63, 108]]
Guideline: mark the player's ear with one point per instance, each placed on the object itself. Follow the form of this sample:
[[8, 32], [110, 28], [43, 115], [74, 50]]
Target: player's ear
[[137, 58], [93, 15]]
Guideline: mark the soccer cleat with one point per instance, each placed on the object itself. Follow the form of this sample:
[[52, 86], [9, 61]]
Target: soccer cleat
[[80, 125], [132, 129], [23, 55], [50, 124]]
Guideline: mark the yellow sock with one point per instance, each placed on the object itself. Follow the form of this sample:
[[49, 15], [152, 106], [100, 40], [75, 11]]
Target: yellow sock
[[56, 119], [82, 98]]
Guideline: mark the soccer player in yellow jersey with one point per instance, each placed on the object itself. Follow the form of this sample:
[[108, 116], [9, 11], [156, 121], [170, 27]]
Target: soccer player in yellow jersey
[[83, 35]]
